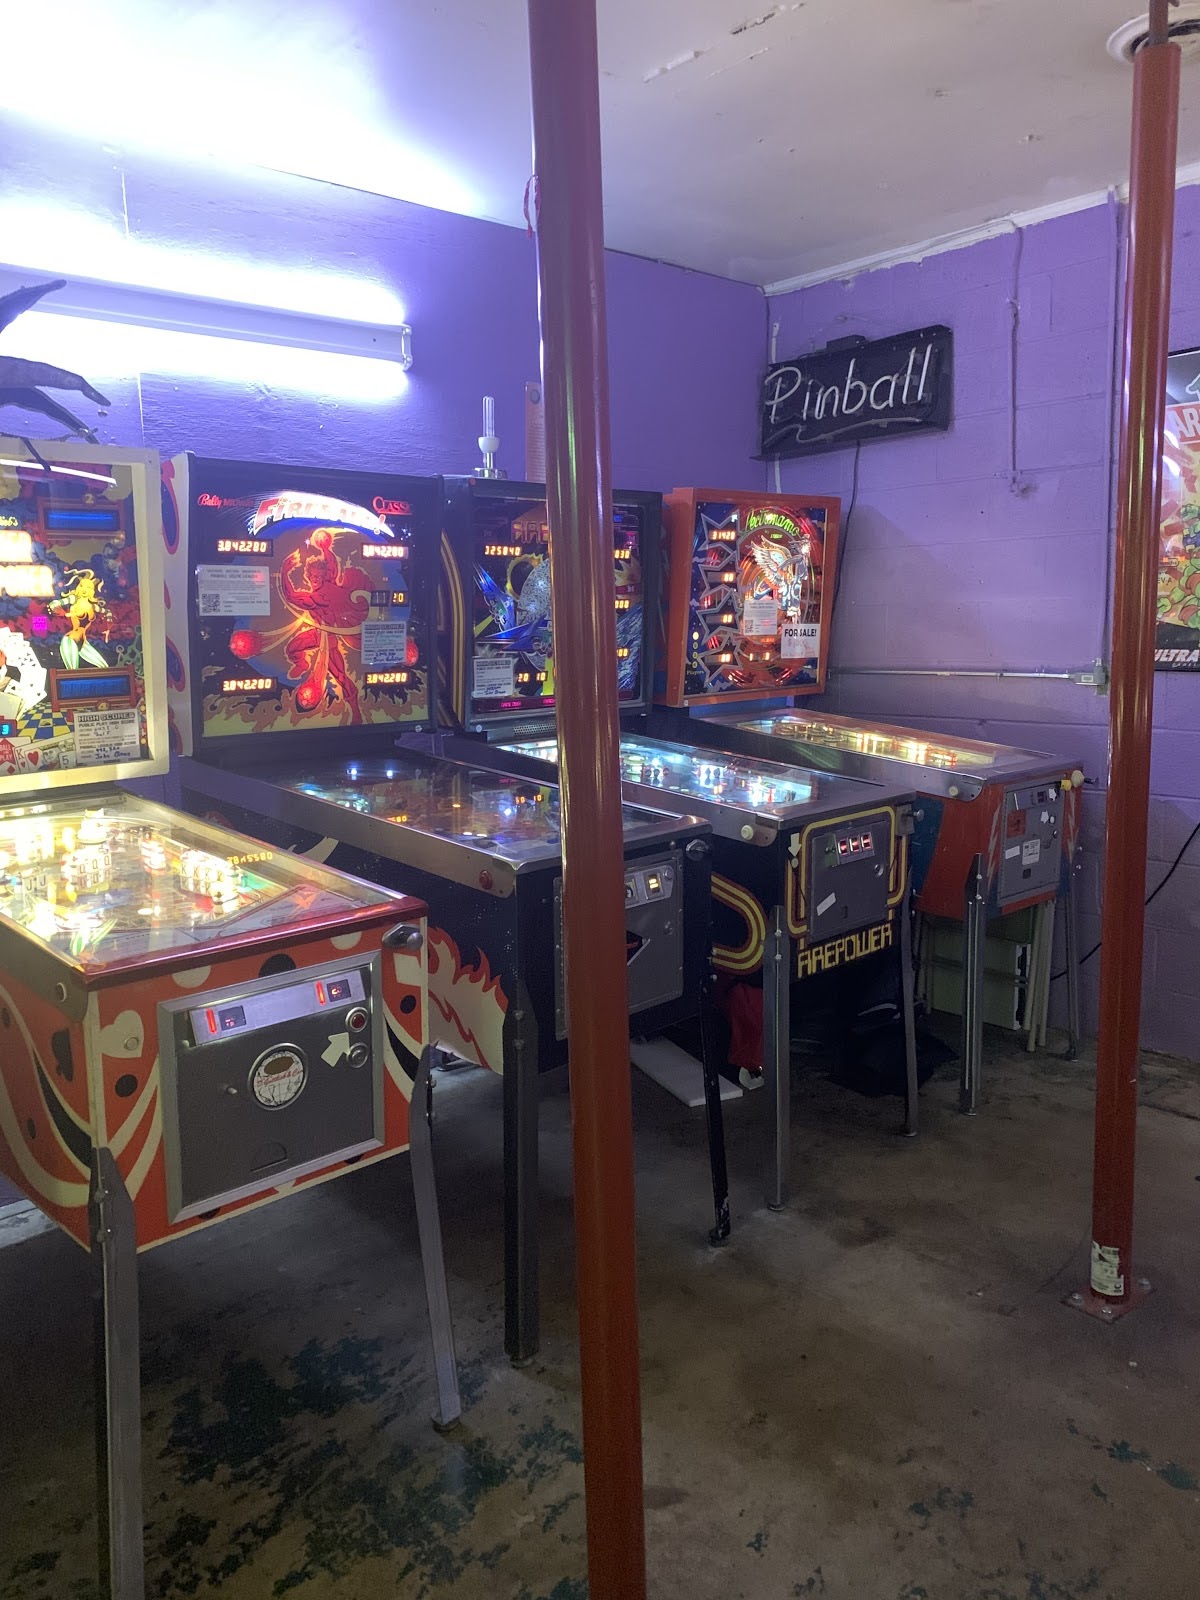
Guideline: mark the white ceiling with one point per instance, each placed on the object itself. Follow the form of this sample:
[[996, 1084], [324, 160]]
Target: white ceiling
[[757, 144]]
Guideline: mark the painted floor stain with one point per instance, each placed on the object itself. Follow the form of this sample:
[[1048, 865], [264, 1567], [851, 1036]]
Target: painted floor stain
[[955, 1501]]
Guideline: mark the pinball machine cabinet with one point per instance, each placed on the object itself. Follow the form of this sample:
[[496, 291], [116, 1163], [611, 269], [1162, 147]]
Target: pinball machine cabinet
[[189, 1024], [304, 667]]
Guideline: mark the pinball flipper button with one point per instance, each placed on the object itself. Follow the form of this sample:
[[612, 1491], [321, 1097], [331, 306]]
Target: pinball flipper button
[[357, 1019]]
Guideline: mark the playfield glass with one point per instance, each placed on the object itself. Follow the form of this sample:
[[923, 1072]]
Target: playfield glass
[[515, 819], [510, 658], [104, 882], [880, 740], [692, 774], [75, 638]]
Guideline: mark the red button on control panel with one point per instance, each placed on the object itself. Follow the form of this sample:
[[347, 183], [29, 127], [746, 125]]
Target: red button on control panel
[[357, 1019]]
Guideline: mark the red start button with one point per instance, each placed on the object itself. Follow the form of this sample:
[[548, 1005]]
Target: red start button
[[357, 1019]]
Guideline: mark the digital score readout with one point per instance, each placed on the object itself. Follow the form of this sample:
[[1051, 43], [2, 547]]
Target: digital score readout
[[246, 547], [248, 685]]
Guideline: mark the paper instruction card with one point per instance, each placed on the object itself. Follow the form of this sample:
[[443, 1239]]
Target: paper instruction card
[[384, 643], [494, 678], [233, 591], [760, 618], [102, 737]]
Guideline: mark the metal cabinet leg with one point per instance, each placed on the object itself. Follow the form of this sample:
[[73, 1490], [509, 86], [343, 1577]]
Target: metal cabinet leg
[[974, 941], [714, 1116], [429, 1231], [777, 1053], [118, 1382], [521, 1317], [908, 978], [1071, 942]]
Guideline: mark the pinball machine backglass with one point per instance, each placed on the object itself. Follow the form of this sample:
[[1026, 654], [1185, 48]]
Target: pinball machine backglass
[[748, 595]]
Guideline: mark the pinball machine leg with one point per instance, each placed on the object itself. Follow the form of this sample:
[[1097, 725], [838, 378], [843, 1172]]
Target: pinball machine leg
[[714, 1115], [908, 978], [118, 1382], [521, 1314], [429, 1231], [777, 1054], [1070, 901], [974, 945]]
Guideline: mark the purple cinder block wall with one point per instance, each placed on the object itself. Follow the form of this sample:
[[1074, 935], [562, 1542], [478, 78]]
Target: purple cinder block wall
[[989, 546], [468, 288]]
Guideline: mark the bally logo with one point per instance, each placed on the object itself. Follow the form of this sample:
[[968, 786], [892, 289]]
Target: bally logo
[[845, 948]]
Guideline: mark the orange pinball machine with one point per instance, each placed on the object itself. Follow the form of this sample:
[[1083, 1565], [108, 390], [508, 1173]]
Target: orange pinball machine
[[750, 599], [190, 1023]]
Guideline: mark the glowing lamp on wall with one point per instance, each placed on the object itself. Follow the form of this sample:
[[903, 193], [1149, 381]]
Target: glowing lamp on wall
[[117, 329]]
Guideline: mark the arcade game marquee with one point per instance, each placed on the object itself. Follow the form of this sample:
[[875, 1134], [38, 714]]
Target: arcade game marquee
[[276, 571], [996, 828], [810, 870], [190, 1023]]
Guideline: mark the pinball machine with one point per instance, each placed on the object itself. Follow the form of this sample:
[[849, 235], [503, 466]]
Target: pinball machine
[[190, 1023], [996, 828], [308, 757], [810, 869]]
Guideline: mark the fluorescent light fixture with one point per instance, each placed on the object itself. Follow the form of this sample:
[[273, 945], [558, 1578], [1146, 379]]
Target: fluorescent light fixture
[[222, 319], [108, 329], [30, 465]]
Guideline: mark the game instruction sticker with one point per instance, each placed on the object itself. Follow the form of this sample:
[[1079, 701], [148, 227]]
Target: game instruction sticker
[[760, 618], [384, 643], [106, 736], [800, 641], [495, 677], [233, 591]]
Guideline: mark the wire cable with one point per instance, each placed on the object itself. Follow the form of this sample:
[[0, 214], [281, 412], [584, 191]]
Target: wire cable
[[845, 529], [1152, 896]]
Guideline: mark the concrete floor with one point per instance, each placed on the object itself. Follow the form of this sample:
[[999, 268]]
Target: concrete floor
[[875, 1395]]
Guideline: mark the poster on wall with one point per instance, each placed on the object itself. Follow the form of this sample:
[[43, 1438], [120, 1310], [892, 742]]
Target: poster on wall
[[1177, 637]]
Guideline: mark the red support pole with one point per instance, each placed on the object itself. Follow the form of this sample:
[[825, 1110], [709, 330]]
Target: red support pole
[[570, 238], [1147, 310]]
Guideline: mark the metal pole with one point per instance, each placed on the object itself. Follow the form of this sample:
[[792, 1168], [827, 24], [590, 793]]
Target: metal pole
[[570, 239], [1147, 309], [118, 1381], [777, 1054], [974, 956]]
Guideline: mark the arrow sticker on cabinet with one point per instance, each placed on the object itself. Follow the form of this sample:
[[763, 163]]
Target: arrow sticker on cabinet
[[336, 1049]]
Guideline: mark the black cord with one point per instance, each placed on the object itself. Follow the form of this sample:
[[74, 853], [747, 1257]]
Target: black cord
[[1153, 895], [845, 528]]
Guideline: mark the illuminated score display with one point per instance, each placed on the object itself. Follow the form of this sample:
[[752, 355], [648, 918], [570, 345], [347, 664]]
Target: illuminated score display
[[385, 552], [381, 679], [247, 685], [504, 551], [245, 547]]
